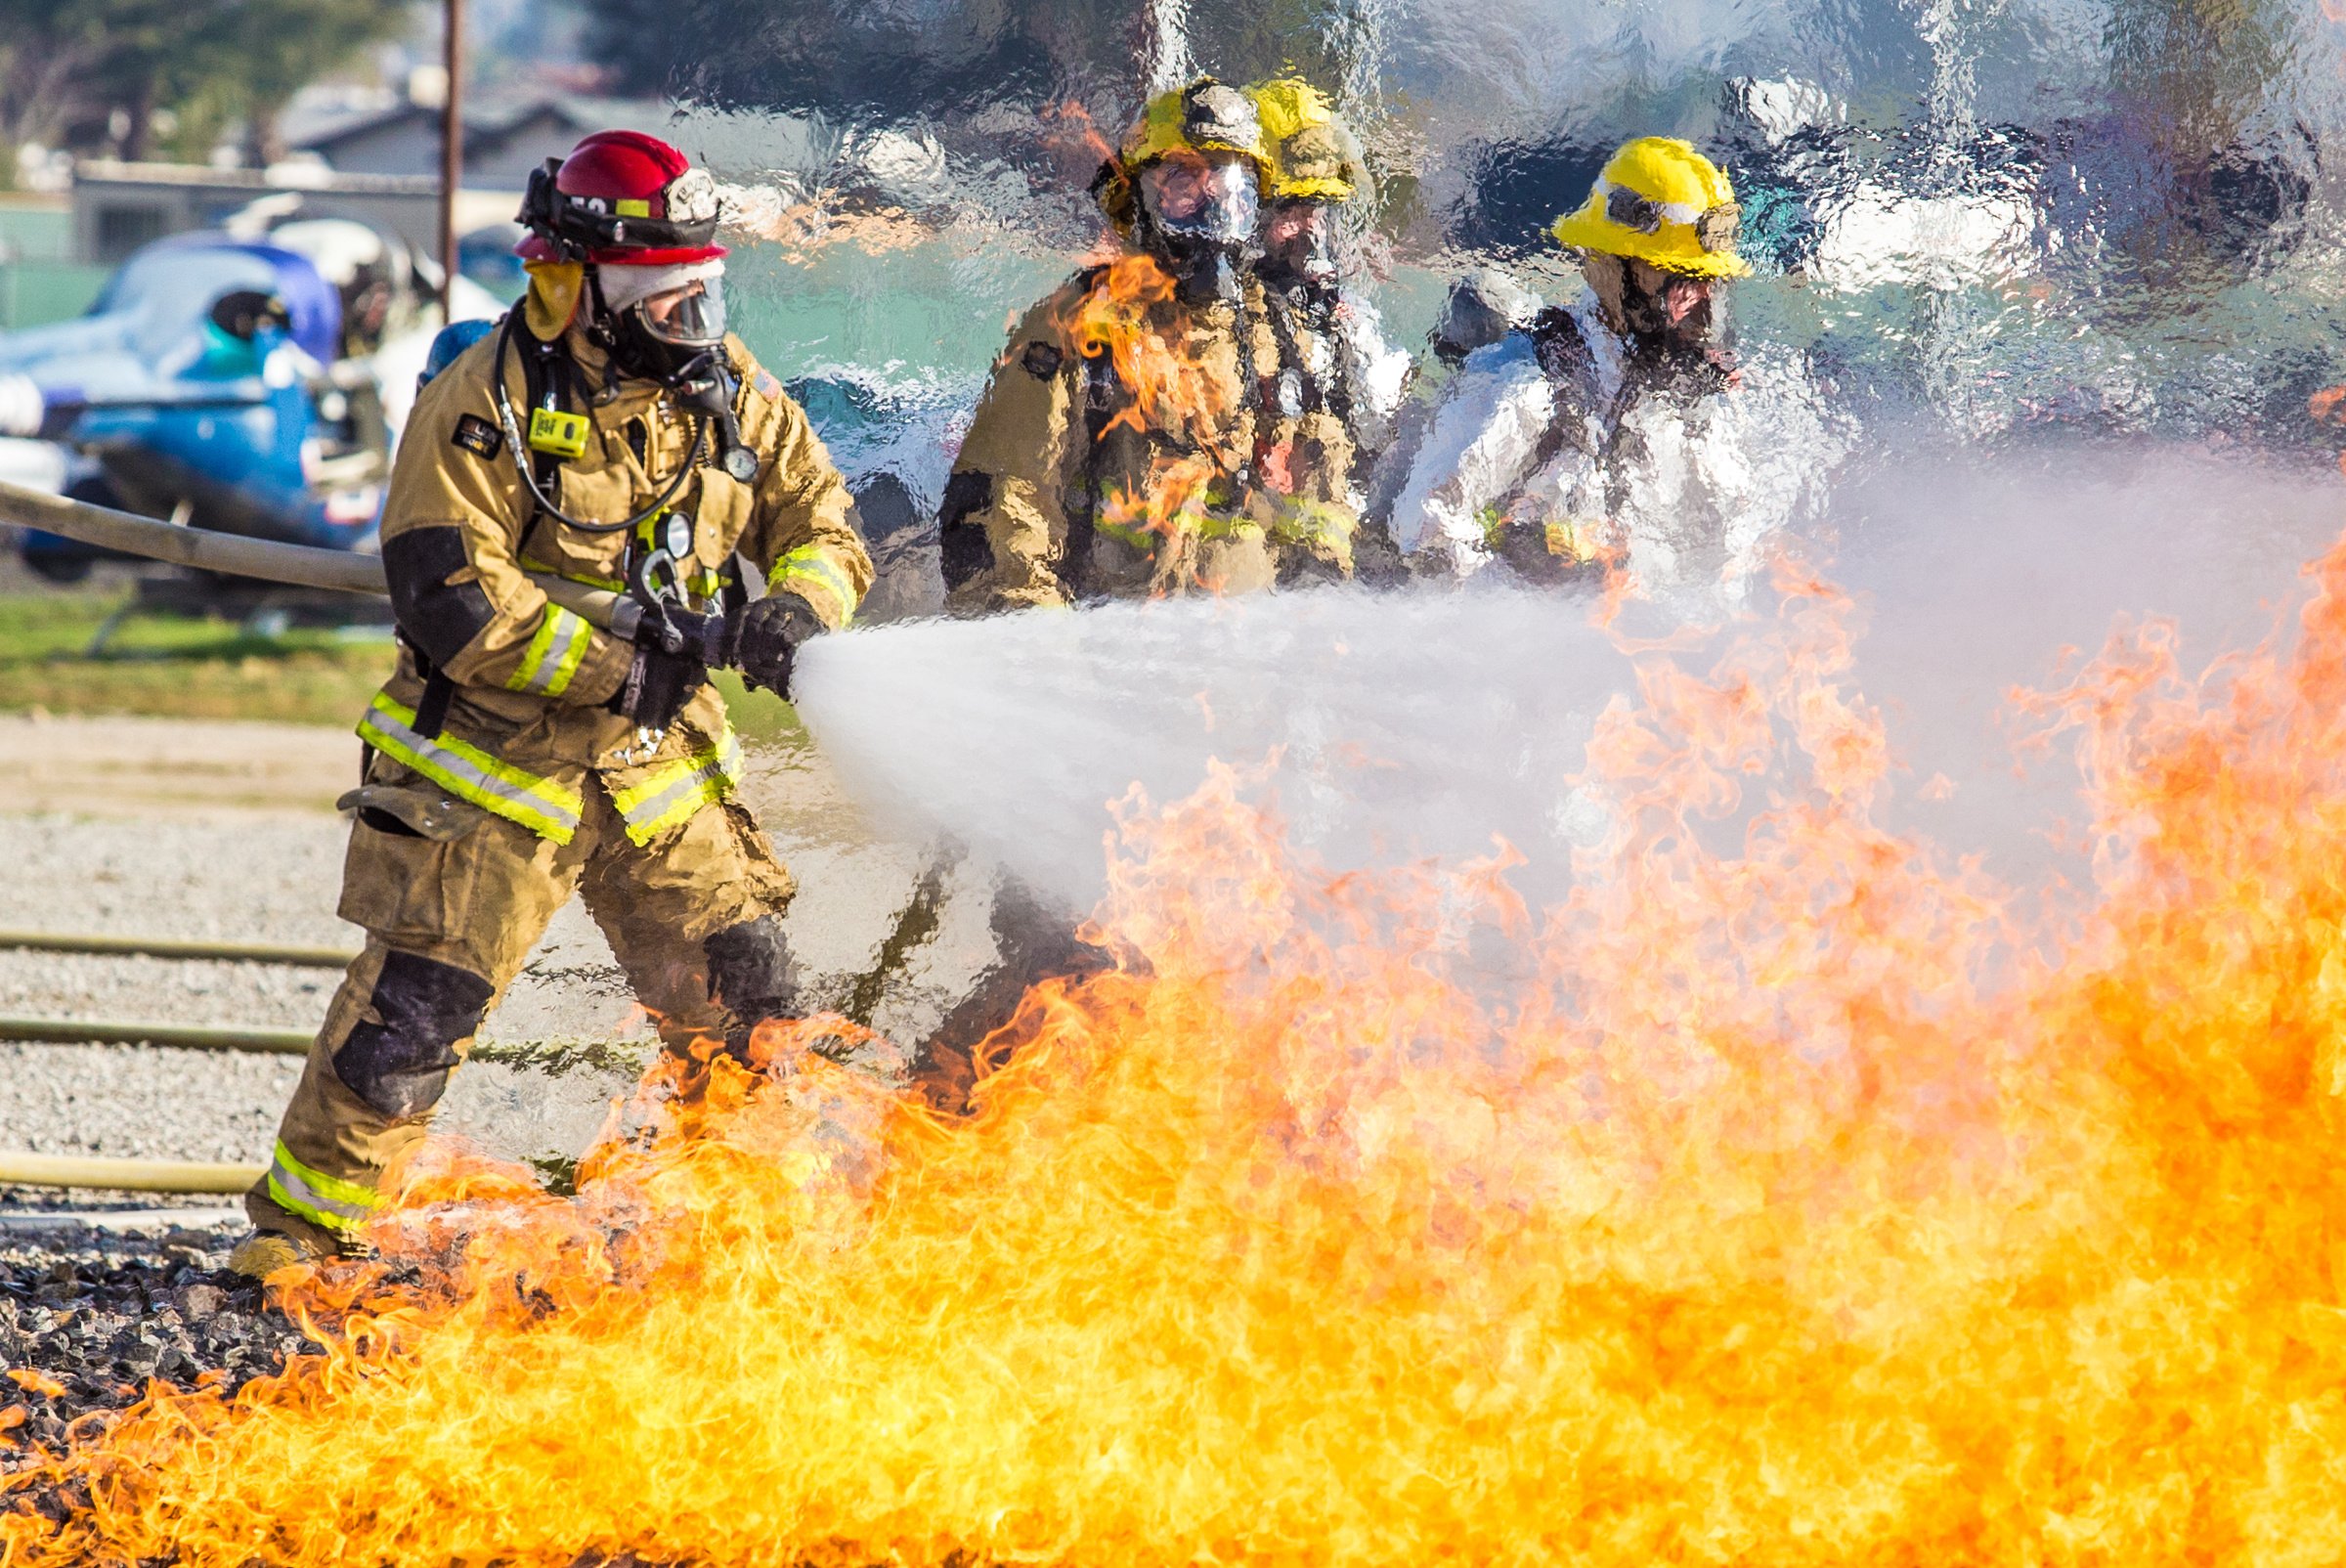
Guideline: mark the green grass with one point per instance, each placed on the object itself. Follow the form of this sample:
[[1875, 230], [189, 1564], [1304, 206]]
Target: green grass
[[183, 668], [759, 715], [177, 667]]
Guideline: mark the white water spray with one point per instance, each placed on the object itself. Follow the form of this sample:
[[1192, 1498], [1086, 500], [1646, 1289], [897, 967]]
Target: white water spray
[[1409, 724]]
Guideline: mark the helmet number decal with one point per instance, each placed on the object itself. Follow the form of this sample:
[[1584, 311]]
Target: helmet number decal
[[1630, 210]]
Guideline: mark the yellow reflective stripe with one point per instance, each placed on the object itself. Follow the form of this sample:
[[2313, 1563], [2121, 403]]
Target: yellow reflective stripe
[[553, 654], [1229, 528], [322, 1200], [583, 579], [673, 793], [810, 567], [540, 805], [574, 653], [533, 657], [1303, 522], [1139, 538]]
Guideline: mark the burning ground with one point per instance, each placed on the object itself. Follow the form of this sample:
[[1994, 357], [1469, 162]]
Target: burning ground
[[1785, 1194]]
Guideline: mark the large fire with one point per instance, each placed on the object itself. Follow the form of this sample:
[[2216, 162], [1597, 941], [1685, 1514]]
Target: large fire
[[1800, 1199]]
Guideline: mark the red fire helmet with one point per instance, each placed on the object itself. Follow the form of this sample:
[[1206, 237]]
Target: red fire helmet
[[623, 198]]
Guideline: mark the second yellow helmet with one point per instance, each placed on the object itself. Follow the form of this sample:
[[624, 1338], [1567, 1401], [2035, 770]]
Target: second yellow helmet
[[1659, 200], [1312, 155]]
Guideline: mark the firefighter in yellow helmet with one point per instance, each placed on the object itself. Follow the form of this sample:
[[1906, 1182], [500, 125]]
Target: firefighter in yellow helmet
[[609, 434], [1122, 448], [1341, 381], [1617, 425]]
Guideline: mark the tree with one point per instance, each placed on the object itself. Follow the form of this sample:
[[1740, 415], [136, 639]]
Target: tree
[[850, 57], [67, 68]]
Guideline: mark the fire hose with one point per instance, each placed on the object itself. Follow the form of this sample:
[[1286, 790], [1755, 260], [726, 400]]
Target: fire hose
[[172, 947], [272, 562], [123, 1175]]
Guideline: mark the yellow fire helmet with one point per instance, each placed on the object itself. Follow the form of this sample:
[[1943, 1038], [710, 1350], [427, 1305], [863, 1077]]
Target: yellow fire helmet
[[1662, 202], [1312, 155], [1206, 117]]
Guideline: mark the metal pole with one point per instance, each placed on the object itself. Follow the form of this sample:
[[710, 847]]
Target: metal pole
[[451, 155]]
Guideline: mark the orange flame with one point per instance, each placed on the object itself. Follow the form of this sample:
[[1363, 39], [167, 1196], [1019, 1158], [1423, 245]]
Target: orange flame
[[1796, 1199], [1130, 316]]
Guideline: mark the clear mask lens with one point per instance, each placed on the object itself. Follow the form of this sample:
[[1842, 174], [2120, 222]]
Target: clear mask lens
[[1212, 200], [693, 318], [1301, 237]]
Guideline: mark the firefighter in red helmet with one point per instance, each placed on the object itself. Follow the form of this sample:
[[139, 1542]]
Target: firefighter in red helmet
[[610, 433]]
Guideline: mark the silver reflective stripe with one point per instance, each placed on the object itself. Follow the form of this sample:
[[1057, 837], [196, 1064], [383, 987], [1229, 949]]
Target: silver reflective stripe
[[553, 654], [291, 1185], [652, 807], [540, 805]]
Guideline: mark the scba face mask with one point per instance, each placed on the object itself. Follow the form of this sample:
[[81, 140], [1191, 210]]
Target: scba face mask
[[660, 333], [662, 337], [1300, 243], [1204, 211], [1204, 201]]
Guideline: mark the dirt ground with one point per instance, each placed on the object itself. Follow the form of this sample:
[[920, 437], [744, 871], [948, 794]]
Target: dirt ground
[[177, 768]]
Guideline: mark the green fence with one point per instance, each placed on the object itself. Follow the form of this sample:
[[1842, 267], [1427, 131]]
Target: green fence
[[40, 281]]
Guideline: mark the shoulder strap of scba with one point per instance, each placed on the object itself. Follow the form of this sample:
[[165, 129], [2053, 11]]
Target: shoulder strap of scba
[[557, 431]]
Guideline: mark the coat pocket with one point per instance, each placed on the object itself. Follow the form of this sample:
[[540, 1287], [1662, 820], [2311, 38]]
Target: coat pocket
[[402, 887]]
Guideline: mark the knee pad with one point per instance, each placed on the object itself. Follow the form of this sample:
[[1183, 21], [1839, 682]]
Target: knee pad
[[400, 1066], [749, 973]]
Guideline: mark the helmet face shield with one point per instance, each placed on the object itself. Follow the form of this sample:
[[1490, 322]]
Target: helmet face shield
[[1202, 199], [658, 335], [690, 318]]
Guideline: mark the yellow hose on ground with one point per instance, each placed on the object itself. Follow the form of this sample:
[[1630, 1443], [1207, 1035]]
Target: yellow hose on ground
[[48, 941], [128, 1175], [187, 1036]]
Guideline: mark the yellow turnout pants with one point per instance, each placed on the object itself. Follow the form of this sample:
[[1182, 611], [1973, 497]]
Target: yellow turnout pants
[[449, 922]]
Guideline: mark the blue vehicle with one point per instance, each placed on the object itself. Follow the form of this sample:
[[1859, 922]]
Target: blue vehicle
[[211, 383]]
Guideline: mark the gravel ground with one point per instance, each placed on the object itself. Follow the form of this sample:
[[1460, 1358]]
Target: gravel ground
[[155, 846], [271, 879], [89, 1318]]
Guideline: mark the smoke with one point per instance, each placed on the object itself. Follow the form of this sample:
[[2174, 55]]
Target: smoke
[[1396, 726]]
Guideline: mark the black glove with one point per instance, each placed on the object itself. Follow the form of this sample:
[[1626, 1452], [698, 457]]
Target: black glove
[[658, 686], [708, 639], [767, 637]]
